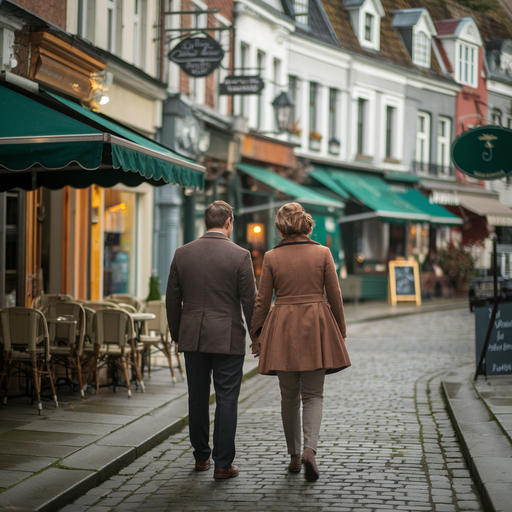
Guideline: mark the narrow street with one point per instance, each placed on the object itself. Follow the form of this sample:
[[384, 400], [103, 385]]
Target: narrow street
[[386, 441]]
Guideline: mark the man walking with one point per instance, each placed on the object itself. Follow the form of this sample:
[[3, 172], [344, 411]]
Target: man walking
[[210, 282]]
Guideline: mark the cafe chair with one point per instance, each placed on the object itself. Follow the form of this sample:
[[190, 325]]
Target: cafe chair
[[66, 326], [156, 335], [125, 298], [42, 301], [88, 357], [26, 347], [96, 305], [115, 342]]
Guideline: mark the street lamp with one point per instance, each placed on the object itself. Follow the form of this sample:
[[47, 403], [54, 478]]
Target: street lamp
[[283, 106]]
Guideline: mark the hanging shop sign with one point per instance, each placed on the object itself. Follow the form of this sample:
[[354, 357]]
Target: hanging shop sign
[[241, 85], [197, 56], [484, 152]]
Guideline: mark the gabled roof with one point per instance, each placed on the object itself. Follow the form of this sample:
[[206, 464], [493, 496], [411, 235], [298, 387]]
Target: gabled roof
[[405, 18], [445, 61], [447, 27]]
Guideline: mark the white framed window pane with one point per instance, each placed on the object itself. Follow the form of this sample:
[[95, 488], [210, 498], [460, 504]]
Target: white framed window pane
[[301, 8], [368, 22], [361, 125]]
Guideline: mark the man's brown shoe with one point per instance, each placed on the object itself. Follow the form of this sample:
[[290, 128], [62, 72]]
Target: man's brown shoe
[[225, 472], [202, 466], [308, 457]]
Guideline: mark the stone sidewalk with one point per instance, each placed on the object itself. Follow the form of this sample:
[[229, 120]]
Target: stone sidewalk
[[387, 442]]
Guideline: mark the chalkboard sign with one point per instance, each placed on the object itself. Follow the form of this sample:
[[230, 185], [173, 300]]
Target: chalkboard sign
[[498, 360], [404, 281]]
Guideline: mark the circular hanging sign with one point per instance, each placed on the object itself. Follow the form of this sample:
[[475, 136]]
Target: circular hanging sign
[[197, 56], [484, 152]]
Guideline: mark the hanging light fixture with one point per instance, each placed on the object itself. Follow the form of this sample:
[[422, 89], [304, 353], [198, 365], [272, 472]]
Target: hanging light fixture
[[283, 106]]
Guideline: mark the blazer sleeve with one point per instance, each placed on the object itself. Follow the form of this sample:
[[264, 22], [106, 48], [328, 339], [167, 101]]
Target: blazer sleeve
[[247, 287], [264, 298], [173, 299], [333, 292]]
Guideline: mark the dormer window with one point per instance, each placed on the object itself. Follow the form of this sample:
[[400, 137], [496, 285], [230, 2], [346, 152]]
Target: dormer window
[[301, 8], [466, 70], [421, 50], [365, 18], [368, 23], [417, 29]]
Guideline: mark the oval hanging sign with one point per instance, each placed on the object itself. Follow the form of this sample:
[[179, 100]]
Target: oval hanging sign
[[484, 152], [197, 56]]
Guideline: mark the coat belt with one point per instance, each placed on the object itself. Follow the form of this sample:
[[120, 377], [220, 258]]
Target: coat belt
[[299, 299]]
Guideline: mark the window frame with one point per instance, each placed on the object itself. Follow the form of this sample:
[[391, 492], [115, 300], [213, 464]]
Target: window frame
[[421, 53], [391, 132], [261, 58], [301, 17], [362, 122], [137, 33], [425, 137], [467, 69], [369, 28], [444, 140], [111, 25], [334, 128]]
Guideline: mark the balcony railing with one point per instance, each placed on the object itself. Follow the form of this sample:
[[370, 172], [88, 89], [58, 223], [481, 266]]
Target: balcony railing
[[433, 170]]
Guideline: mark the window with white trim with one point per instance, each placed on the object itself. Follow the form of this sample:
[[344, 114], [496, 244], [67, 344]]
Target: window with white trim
[[423, 141], [111, 25], [368, 27], [276, 77], [362, 108], [314, 135], [334, 137], [496, 117], [301, 8], [244, 63], [421, 49], [443, 144], [137, 29], [467, 64], [390, 132], [260, 64]]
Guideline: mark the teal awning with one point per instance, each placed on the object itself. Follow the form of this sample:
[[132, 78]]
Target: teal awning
[[373, 192], [437, 214], [49, 143], [298, 192], [401, 176]]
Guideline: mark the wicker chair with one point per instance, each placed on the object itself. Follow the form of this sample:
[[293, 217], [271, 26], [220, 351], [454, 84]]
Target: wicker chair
[[126, 299], [26, 345], [115, 341], [161, 339], [67, 340], [43, 300]]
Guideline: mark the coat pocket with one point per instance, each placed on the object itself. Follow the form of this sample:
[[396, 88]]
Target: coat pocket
[[190, 331]]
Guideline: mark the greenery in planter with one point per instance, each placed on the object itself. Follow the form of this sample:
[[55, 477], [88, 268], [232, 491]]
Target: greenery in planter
[[456, 263]]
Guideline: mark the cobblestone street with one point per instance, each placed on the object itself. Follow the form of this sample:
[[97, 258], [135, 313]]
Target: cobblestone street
[[386, 441]]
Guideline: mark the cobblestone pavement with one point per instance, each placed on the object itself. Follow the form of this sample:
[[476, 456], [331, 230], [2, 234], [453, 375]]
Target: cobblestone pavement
[[386, 441]]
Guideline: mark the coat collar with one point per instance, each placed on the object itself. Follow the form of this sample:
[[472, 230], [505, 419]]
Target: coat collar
[[303, 240], [216, 234]]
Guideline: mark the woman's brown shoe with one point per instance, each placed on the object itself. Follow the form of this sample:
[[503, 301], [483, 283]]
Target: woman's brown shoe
[[312, 473], [295, 464]]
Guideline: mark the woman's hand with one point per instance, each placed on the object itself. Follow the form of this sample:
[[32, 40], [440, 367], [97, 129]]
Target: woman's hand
[[255, 348]]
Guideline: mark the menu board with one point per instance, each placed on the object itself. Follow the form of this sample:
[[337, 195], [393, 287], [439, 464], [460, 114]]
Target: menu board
[[498, 360], [404, 281]]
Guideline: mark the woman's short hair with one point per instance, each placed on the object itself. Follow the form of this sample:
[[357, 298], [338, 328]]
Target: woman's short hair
[[292, 220], [216, 214]]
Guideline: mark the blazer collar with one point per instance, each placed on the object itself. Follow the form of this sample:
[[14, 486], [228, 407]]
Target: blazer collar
[[216, 234]]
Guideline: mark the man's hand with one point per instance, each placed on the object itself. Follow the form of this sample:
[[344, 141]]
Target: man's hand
[[255, 348]]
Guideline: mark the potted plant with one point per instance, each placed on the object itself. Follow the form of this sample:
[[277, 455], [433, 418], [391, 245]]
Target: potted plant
[[314, 140], [334, 146], [295, 132], [456, 264]]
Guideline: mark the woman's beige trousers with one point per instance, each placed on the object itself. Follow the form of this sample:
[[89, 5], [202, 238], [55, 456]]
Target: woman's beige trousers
[[308, 386]]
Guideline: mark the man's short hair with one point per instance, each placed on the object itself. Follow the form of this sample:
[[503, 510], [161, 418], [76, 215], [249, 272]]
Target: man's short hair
[[216, 214]]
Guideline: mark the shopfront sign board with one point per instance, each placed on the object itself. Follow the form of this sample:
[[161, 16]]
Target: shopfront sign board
[[498, 359], [241, 85], [404, 282], [197, 56], [484, 152]]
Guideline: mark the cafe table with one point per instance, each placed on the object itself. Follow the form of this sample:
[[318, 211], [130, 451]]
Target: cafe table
[[138, 321]]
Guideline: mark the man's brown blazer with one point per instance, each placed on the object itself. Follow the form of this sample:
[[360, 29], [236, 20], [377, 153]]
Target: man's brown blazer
[[210, 281]]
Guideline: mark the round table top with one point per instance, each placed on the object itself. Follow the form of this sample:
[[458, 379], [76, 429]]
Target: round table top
[[142, 316]]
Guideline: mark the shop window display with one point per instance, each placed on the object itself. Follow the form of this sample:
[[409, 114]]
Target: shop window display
[[119, 242]]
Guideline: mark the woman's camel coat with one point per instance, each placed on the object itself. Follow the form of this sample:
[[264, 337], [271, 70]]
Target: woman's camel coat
[[303, 331]]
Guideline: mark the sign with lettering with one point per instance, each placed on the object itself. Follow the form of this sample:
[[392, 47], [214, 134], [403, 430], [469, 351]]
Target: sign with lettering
[[484, 152], [498, 360], [404, 281], [197, 56], [241, 85]]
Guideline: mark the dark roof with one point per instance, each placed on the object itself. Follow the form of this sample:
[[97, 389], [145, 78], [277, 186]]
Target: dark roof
[[405, 18], [444, 57], [319, 27], [352, 3]]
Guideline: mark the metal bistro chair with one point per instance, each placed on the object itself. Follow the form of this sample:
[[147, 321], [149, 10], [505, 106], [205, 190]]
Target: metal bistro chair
[[125, 298], [115, 341], [67, 332], [161, 339], [26, 344], [89, 343], [43, 300]]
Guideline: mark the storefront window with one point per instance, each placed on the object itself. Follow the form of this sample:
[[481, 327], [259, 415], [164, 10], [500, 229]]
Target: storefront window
[[120, 242]]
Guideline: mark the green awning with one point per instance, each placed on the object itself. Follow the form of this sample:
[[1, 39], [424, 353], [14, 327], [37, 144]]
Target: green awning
[[401, 176], [298, 192], [54, 144], [373, 192], [325, 178], [437, 214]]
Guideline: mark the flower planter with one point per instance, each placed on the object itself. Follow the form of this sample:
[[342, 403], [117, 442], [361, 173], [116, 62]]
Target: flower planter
[[334, 147], [314, 144]]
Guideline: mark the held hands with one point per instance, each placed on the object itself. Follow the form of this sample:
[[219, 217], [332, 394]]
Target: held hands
[[255, 348]]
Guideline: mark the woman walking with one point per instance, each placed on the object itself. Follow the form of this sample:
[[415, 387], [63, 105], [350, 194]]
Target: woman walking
[[303, 336]]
